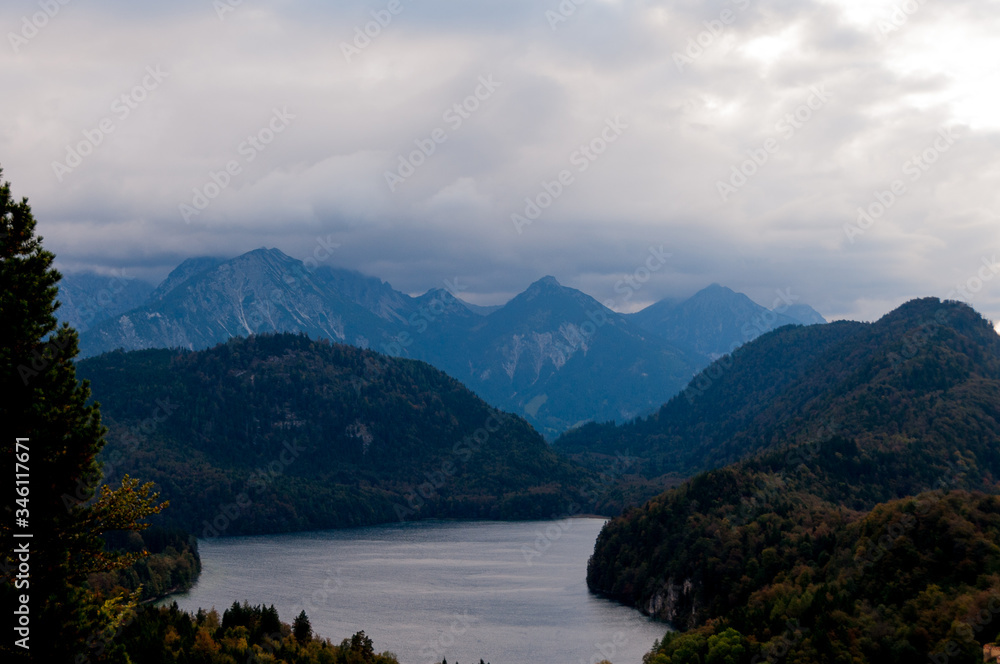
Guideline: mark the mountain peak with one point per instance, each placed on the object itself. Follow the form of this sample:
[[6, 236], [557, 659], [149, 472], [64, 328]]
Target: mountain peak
[[715, 290], [546, 287], [189, 268], [263, 253], [547, 282]]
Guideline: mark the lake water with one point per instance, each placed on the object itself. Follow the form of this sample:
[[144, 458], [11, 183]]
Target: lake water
[[509, 593]]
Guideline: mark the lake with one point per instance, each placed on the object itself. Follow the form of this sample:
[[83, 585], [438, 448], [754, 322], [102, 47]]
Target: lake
[[509, 593]]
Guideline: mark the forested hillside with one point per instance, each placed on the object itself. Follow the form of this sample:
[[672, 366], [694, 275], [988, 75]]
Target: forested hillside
[[918, 379], [847, 527], [281, 433], [172, 564], [243, 633], [914, 580]]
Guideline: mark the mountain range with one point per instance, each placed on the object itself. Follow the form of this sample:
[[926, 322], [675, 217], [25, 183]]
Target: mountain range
[[852, 511], [552, 354]]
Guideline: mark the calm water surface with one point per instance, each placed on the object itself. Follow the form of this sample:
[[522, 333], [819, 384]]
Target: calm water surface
[[424, 591]]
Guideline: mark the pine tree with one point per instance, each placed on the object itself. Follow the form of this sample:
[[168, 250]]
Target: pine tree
[[59, 515], [302, 628]]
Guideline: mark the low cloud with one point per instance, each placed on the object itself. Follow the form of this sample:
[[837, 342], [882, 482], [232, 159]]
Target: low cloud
[[702, 86]]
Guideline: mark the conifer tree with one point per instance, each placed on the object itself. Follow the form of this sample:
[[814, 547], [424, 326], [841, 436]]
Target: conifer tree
[[51, 543], [302, 628]]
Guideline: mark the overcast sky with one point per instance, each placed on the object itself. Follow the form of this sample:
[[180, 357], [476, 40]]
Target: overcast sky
[[739, 137]]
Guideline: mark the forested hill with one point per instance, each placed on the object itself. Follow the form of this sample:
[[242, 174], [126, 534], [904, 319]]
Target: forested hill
[[280, 433], [851, 530], [918, 379]]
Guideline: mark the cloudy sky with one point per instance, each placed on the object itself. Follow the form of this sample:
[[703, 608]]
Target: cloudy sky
[[843, 150]]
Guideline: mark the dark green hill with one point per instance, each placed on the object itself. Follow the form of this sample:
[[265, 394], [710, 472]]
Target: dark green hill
[[915, 580], [280, 433], [813, 544], [922, 376]]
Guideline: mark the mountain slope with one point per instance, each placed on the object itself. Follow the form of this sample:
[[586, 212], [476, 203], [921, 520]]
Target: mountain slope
[[192, 267], [261, 291], [87, 299], [913, 580], [712, 322], [804, 314], [849, 533], [370, 293], [277, 433], [540, 355], [878, 382], [552, 354], [561, 357]]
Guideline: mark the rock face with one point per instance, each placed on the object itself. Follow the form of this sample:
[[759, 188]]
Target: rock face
[[673, 600], [552, 354]]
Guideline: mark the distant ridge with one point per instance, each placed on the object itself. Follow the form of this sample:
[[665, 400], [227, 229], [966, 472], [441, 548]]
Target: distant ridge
[[552, 354], [716, 320]]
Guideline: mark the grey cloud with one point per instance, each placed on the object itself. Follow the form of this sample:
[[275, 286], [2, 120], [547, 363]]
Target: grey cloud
[[325, 174]]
